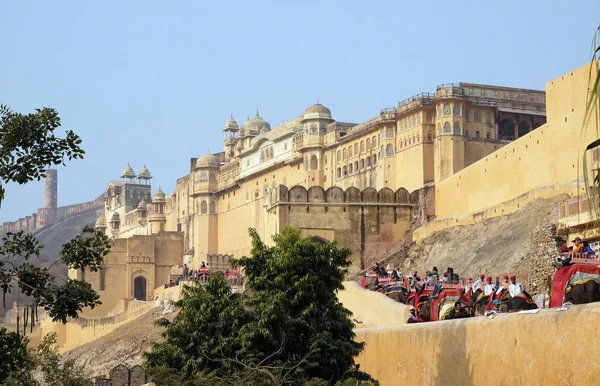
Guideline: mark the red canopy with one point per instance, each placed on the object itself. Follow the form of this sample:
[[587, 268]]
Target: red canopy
[[561, 279]]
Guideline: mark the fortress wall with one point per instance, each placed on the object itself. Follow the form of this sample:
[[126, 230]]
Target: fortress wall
[[548, 161], [547, 156], [371, 223], [49, 216], [547, 348], [372, 308]]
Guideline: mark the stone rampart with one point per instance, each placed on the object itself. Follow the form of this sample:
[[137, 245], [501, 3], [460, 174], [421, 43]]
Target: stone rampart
[[371, 223], [45, 217], [547, 348]]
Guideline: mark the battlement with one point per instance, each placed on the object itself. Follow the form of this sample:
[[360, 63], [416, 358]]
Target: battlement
[[48, 216], [317, 195]]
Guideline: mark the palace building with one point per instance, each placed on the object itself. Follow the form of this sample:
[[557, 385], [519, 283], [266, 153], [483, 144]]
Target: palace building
[[355, 183]]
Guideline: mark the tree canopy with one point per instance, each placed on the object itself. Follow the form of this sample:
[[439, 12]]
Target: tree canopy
[[29, 145], [288, 327]]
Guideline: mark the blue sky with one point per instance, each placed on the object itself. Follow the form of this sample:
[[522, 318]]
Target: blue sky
[[155, 81]]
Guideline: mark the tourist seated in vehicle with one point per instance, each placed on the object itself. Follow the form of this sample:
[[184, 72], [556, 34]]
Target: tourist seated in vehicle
[[489, 287], [435, 271], [564, 257], [515, 288], [396, 275], [504, 285], [587, 249], [202, 265], [413, 317], [478, 285], [458, 312], [452, 276]]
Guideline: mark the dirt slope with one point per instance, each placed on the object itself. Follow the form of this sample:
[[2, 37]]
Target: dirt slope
[[125, 345], [498, 246]]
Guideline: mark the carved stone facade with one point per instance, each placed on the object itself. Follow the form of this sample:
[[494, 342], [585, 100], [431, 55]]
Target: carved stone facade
[[423, 140]]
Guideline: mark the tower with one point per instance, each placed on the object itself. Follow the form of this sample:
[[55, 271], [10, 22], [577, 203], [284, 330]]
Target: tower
[[51, 192], [231, 129]]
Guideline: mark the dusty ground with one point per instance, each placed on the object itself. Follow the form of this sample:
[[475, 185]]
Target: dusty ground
[[125, 345], [497, 246]]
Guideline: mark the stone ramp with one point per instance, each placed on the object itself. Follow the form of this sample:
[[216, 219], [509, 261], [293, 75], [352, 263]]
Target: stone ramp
[[371, 308]]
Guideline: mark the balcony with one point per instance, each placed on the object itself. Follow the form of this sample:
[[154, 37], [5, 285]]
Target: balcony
[[575, 213]]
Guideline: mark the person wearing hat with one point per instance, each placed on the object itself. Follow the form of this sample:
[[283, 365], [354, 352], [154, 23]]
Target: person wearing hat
[[413, 317], [514, 288], [578, 246], [489, 287], [504, 285], [479, 283]]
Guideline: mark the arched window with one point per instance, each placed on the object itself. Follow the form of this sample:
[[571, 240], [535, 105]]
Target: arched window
[[418, 137], [203, 207], [339, 156], [256, 194], [447, 127], [488, 117], [344, 154], [467, 115], [349, 151], [405, 142], [350, 168], [429, 137], [362, 146], [213, 207], [368, 161], [488, 135], [374, 159], [400, 144], [314, 163], [456, 127], [409, 140], [456, 109], [362, 163], [339, 173], [313, 129], [414, 139], [355, 166], [446, 109], [466, 133], [374, 140], [389, 150], [477, 116], [356, 149], [368, 144], [477, 135], [345, 171]]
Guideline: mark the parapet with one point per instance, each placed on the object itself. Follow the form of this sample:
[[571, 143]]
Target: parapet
[[336, 195]]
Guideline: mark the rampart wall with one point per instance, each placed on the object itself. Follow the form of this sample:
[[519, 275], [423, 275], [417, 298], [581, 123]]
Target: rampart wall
[[547, 348], [371, 223], [48, 216], [544, 163]]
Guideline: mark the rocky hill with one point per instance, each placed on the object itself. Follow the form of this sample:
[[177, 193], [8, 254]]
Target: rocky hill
[[124, 345]]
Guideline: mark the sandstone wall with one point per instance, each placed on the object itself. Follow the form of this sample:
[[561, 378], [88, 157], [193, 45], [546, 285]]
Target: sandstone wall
[[371, 309], [548, 348], [371, 223], [45, 217], [491, 182]]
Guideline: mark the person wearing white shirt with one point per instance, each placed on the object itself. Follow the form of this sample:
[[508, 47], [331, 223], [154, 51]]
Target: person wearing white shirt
[[489, 288], [515, 288], [477, 285]]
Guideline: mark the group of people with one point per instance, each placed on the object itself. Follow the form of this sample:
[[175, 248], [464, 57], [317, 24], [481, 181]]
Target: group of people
[[194, 273], [565, 256]]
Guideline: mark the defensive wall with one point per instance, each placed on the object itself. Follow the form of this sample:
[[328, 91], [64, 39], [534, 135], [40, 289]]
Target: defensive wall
[[84, 330], [547, 348], [371, 223], [45, 217], [544, 163]]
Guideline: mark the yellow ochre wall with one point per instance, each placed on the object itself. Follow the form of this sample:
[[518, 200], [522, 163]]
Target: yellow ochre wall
[[372, 308], [548, 348], [545, 157]]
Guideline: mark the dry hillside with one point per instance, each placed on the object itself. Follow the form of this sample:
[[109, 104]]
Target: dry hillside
[[497, 246], [125, 345]]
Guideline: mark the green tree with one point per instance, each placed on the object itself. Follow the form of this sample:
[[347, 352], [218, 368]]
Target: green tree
[[28, 146], [58, 372], [288, 328]]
